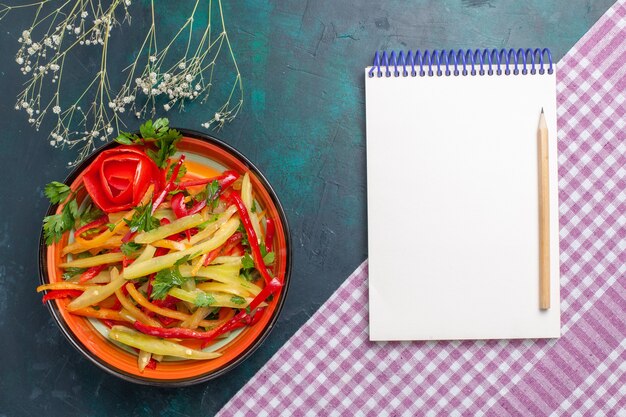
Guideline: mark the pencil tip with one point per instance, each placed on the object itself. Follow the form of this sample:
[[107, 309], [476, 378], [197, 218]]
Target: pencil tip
[[542, 110]]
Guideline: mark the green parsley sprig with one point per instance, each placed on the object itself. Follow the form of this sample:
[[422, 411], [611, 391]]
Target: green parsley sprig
[[248, 270], [204, 300], [56, 224], [56, 192], [236, 299], [210, 193], [128, 248], [164, 280], [158, 133], [168, 278], [89, 214], [181, 172], [142, 219], [71, 272]]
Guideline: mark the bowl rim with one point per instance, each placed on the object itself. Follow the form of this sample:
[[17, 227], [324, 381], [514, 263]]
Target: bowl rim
[[78, 345]]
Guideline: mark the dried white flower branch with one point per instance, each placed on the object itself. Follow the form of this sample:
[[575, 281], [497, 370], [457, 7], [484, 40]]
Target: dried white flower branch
[[154, 78]]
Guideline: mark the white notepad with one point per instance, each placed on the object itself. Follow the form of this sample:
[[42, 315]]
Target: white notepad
[[453, 226]]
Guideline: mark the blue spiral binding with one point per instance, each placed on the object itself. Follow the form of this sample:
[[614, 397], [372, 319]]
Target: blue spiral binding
[[462, 62]]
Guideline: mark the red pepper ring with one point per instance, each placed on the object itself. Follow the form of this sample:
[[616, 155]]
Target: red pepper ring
[[118, 178], [57, 294]]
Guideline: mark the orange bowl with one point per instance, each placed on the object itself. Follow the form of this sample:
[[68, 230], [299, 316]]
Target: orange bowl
[[206, 156]]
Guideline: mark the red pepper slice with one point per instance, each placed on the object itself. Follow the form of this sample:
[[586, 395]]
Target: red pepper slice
[[168, 302], [118, 178], [237, 251], [269, 234], [118, 305], [182, 333], [176, 237], [96, 223], [161, 252], [109, 323], [235, 199], [243, 316], [181, 210], [224, 180], [166, 321], [152, 364], [225, 248], [128, 236], [126, 262], [91, 272], [57, 294], [169, 186]]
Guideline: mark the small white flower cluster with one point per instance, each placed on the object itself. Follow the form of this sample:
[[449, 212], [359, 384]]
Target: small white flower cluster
[[54, 32], [118, 105], [29, 109], [176, 86], [98, 31], [218, 119], [224, 115], [56, 139]]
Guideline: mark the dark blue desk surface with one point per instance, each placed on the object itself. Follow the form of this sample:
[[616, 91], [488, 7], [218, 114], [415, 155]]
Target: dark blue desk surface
[[302, 124]]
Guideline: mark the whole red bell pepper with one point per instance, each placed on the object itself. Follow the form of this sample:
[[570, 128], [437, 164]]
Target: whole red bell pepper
[[118, 178]]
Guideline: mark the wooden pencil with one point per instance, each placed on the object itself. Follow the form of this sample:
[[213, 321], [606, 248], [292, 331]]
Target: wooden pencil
[[544, 215]]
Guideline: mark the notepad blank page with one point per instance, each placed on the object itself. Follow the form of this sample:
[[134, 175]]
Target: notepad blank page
[[453, 207]]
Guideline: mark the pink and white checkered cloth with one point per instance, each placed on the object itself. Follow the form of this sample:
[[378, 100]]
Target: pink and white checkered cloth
[[330, 368]]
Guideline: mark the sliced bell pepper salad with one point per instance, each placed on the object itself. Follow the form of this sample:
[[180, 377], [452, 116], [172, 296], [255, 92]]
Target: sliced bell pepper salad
[[172, 256]]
